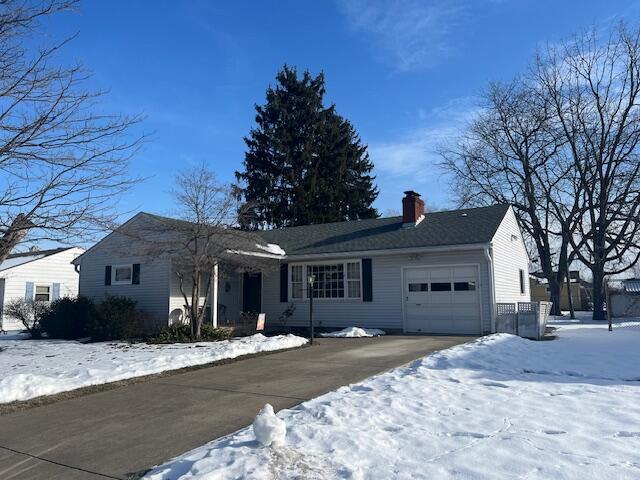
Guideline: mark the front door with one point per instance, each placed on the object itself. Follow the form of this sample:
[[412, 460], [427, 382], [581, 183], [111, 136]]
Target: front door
[[252, 292]]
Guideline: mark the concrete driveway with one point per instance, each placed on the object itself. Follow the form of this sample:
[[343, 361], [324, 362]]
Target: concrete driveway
[[122, 432]]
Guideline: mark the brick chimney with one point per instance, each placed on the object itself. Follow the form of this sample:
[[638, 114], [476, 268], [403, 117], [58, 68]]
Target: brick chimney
[[412, 209]]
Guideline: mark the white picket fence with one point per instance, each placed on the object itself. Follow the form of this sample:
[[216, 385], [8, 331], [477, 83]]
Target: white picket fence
[[526, 319]]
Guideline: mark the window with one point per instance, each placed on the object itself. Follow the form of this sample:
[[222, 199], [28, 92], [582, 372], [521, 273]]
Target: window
[[121, 274], [43, 293], [441, 287], [332, 280], [297, 282], [522, 281], [418, 287], [464, 286], [329, 280]]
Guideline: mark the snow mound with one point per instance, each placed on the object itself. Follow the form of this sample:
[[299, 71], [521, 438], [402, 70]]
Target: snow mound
[[538, 410], [355, 332], [268, 428], [31, 368]]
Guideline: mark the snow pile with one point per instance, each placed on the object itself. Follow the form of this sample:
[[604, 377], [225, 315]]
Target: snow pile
[[498, 408], [30, 368], [268, 428], [354, 332]]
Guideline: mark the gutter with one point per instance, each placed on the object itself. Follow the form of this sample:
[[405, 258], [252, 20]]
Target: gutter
[[390, 251], [488, 253]]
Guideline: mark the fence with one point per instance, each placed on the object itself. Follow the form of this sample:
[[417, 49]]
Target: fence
[[526, 319]]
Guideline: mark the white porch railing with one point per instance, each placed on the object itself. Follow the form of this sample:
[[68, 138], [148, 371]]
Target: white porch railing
[[526, 319]]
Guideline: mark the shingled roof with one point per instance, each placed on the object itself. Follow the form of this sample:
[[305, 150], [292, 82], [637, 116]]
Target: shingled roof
[[456, 227]]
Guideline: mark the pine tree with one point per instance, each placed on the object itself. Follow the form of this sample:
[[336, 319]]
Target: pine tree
[[304, 164]]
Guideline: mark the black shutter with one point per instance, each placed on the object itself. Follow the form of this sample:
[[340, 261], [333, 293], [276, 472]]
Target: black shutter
[[135, 275], [367, 281], [107, 275], [284, 282]]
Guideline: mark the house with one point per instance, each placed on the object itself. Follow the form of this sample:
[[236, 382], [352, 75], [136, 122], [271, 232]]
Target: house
[[42, 275], [581, 291], [440, 272]]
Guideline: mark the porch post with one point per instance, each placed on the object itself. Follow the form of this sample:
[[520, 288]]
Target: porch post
[[214, 297]]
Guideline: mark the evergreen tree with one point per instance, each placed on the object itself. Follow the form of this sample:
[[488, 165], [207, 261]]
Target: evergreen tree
[[304, 164]]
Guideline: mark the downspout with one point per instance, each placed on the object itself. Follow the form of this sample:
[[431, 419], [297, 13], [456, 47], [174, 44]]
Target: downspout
[[488, 252]]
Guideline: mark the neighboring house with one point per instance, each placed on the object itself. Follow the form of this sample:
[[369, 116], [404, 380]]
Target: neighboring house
[[43, 275], [580, 291], [440, 272], [626, 302]]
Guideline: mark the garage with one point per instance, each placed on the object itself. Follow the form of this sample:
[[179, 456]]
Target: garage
[[443, 300]]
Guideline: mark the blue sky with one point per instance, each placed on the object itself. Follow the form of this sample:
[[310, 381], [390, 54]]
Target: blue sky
[[406, 73]]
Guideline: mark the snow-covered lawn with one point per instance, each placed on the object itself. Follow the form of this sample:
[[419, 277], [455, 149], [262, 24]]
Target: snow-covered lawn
[[30, 368], [354, 332], [498, 407]]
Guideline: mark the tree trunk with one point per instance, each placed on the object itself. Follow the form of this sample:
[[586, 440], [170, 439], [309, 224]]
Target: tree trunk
[[598, 293], [554, 291], [14, 235]]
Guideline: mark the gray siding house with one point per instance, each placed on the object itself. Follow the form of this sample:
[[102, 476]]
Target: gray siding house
[[440, 272]]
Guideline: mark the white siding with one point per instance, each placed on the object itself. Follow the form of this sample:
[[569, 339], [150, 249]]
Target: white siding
[[56, 268], [151, 295], [509, 257], [386, 309]]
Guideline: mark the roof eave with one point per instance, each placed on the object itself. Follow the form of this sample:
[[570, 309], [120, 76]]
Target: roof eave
[[390, 251]]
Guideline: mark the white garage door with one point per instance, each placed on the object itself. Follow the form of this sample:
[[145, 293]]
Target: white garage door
[[442, 300]]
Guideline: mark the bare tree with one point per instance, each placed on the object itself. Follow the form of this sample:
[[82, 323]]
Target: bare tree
[[62, 163], [561, 145], [203, 243], [512, 153], [594, 87]]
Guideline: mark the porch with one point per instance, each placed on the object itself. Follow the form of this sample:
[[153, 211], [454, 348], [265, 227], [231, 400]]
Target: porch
[[234, 293]]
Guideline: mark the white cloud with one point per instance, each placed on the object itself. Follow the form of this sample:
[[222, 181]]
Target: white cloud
[[414, 154], [411, 160], [409, 34]]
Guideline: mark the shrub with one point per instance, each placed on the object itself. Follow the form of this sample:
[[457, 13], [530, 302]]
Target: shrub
[[29, 313], [182, 334], [117, 318], [69, 318]]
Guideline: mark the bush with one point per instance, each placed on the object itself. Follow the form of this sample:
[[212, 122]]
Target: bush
[[69, 318], [182, 334], [117, 318], [27, 312]]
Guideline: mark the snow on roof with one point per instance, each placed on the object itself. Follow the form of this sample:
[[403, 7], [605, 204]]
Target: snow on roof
[[19, 260], [272, 248], [16, 259]]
